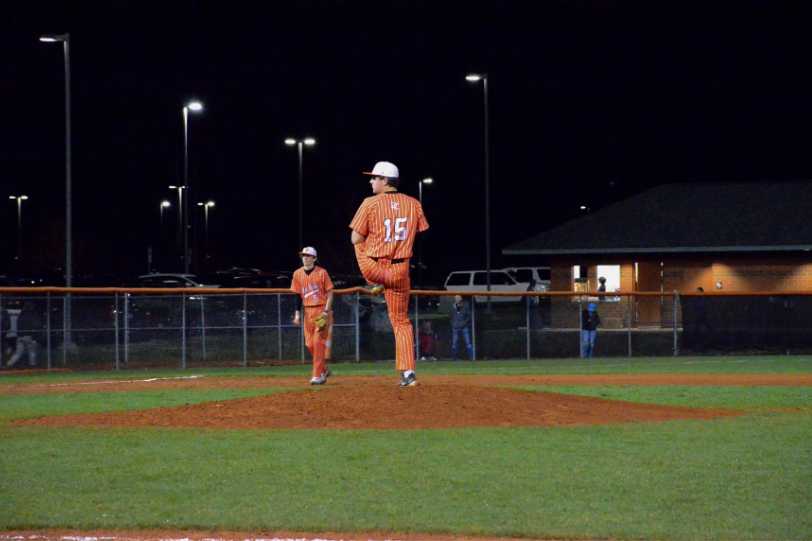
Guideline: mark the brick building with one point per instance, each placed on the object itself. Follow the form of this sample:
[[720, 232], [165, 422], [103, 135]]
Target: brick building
[[728, 237]]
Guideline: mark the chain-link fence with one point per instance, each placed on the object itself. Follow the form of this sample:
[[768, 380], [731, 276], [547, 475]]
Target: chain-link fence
[[126, 329]]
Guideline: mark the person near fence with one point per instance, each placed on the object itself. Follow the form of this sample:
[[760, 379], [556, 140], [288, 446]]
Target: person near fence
[[590, 319], [534, 307], [315, 288], [29, 334], [602, 288], [383, 232], [427, 341], [701, 310], [460, 323]]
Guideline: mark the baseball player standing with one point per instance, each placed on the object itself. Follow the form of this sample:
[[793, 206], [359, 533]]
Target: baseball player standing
[[383, 232], [314, 286]]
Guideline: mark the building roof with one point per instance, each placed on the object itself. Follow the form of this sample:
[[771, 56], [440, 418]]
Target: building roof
[[688, 218]]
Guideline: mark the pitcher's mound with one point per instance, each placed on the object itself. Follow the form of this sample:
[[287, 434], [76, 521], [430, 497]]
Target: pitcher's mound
[[384, 406]]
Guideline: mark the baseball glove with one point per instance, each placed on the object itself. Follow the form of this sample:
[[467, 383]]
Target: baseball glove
[[321, 321]]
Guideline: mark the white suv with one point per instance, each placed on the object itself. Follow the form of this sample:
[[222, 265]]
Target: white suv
[[541, 275], [501, 281]]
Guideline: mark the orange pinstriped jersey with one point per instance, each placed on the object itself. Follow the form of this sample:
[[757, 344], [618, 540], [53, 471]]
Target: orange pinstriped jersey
[[312, 287], [389, 221]]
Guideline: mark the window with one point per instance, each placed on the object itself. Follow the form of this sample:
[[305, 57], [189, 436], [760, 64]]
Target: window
[[501, 279], [612, 275], [458, 279], [524, 275]]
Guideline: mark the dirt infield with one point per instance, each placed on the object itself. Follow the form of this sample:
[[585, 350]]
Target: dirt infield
[[375, 402]]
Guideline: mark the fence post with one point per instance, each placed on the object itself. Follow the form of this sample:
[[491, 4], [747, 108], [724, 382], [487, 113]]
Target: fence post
[[416, 329], [357, 327], [126, 328], [301, 333], [527, 322], [65, 336], [183, 330], [245, 329], [473, 326], [115, 328], [629, 319], [676, 345], [279, 325], [580, 326], [203, 325], [48, 327]]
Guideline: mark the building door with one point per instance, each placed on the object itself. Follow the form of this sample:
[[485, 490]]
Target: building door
[[648, 278]]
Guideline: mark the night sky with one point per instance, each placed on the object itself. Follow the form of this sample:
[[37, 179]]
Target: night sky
[[589, 102]]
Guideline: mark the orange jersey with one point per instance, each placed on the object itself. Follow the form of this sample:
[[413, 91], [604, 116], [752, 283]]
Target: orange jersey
[[389, 221], [312, 287]]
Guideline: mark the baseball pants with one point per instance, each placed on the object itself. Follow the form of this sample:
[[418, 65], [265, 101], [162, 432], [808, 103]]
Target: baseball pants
[[25, 344], [396, 282], [316, 341]]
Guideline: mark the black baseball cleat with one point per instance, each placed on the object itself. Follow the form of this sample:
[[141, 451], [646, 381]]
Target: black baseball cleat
[[326, 374], [408, 381]]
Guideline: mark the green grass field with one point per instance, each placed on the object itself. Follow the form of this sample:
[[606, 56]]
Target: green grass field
[[747, 477]]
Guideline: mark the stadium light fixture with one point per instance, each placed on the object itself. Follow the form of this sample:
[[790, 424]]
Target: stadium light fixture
[[309, 141]]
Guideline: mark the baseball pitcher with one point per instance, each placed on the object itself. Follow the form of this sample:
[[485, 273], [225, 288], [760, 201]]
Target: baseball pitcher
[[383, 232]]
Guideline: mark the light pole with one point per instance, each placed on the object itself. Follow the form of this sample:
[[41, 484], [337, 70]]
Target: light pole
[[64, 39], [584, 207], [179, 240], [298, 142], [484, 79], [20, 199], [194, 106], [420, 198], [206, 206]]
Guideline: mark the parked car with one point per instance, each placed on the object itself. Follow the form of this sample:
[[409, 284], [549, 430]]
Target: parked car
[[167, 310], [477, 280], [168, 280], [538, 275], [261, 280], [222, 277]]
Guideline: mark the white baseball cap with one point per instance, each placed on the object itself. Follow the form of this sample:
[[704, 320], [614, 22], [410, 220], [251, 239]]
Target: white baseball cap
[[308, 251], [385, 169]]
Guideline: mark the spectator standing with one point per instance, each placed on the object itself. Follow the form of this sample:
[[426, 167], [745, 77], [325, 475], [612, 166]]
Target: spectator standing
[[460, 322], [589, 328], [534, 307], [427, 342]]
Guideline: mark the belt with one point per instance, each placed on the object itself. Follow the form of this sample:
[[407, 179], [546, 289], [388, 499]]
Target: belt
[[394, 261]]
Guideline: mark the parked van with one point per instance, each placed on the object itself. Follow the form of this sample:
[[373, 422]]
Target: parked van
[[541, 275], [501, 281]]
